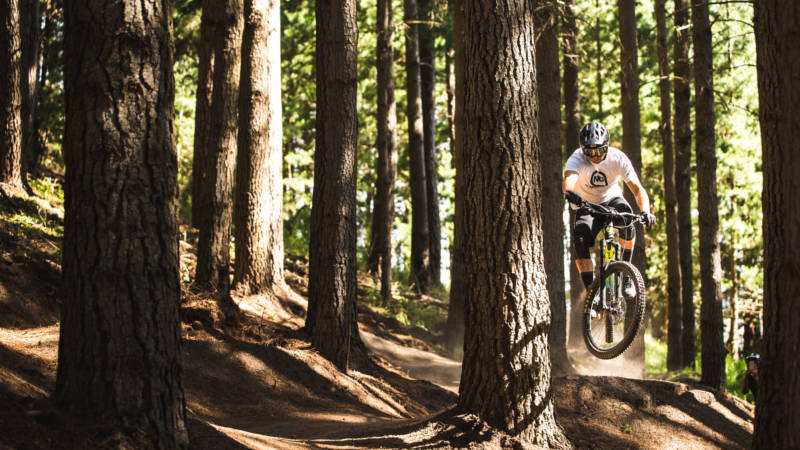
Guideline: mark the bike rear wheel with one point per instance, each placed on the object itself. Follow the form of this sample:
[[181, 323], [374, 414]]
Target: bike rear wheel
[[609, 329]]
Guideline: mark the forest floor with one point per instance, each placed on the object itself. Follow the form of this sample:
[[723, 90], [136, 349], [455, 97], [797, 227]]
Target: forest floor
[[254, 382]]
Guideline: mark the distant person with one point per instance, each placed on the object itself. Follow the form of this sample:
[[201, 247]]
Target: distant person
[[750, 382]]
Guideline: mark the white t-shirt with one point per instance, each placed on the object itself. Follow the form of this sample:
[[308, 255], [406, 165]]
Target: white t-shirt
[[599, 183]]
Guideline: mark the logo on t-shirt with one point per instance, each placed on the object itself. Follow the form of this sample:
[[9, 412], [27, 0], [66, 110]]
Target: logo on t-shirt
[[598, 179]]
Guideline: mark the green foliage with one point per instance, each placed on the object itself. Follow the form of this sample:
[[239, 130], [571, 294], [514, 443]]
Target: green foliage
[[185, 70], [655, 359], [407, 310], [734, 376], [655, 362], [598, 38], [298, 77], [49, 114], [48, 189], [24, 219], [186, 27], [738, 155]]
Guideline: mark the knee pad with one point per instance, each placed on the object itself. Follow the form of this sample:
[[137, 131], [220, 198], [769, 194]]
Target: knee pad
[[626, 233], [583, 243]]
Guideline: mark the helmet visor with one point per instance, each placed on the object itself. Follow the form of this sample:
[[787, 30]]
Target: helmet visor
[[595, 151]]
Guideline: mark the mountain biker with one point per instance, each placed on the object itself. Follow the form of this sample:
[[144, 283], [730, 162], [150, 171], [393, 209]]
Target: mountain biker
[[592, 172]]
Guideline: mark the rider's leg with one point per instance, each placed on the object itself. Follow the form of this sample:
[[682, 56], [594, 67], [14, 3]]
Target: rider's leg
[[583, 240], [586, 268], [627, 236], [627, 248]]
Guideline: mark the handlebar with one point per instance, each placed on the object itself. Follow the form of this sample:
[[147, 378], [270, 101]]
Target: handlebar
[[610, 212]]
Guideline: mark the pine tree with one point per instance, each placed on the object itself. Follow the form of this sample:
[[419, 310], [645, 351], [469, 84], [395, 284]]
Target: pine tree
[[777, 420], [119, 348], [332, 250], [259, 189], [10, 96], [713, 346], [673, 257], [506, 369]]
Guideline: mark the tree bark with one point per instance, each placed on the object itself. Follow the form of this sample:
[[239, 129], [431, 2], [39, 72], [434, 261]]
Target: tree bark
[[632, 142], [731, 343], [712, 341], [332, 252], [506, 371], [674, 361], [777, 419], [420, 235], [213, 243], [29, 20], [10, 96], [683, 176], [119, 348], [427, 59], [572, 107], [600, 61], [258, 266], [380, 257], [454, 333], [549, 98], [202, 115]]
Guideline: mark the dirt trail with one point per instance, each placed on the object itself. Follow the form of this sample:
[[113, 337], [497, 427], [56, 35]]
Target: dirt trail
[[416, 363], [261, 386], [245, 395]]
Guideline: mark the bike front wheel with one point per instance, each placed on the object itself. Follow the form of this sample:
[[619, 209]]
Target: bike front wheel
[[610, 324]]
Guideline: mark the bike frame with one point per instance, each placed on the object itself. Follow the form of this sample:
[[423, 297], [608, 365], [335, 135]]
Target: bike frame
[[609, 249]]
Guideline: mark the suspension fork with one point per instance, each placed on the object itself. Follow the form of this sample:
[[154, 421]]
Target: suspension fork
[[608, 252]]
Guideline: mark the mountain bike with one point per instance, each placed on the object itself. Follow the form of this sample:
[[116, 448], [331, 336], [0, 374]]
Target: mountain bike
[[612, 319]]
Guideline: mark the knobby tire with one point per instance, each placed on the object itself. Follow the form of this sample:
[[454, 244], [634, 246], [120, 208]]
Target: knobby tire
[[634, 306]]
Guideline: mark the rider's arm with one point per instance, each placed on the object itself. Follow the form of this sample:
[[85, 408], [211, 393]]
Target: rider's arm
[[641, 196], [570, 180]]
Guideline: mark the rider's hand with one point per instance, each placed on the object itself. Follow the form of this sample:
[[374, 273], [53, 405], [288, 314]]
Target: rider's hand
[[573, 197], [648, 219]]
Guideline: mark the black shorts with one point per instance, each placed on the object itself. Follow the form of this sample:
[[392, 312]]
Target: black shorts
[[587, 225]]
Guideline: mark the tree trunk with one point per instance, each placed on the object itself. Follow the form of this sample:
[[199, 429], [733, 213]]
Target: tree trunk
[[50, 62], [600, 61], [572, 107], [777, 420], [632, 143], [731, 343], [420, 236], [450, 59], [713, 344], [202, 115], [119, 348], [427, 59], [683, 176], [259, 184], [30, 20], [673, 257], [332, 249], [213, 243], [380, 256], [454, 333], [10, 96], [549, 99], [506, 371]]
